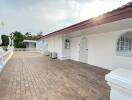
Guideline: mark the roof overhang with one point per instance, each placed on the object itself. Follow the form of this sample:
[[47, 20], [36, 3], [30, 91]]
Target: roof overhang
[[30, 41]]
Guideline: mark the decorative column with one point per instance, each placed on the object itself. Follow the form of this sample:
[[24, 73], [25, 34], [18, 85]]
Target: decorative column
[[9, 45], [120, 82], [12, 42]]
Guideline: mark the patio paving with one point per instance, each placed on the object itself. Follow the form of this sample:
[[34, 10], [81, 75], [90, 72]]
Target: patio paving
[[33, 76]]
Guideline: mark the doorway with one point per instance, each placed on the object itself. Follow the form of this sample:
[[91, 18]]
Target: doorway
[[83, 51]]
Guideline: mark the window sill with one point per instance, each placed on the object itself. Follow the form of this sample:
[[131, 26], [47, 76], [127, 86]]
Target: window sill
[[124, 54]]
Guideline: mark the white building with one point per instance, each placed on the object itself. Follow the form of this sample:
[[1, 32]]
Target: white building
[[30, 43], [35, 44], [104, 41]]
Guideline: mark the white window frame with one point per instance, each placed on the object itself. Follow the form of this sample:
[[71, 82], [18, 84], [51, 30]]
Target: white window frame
[[124, 46]]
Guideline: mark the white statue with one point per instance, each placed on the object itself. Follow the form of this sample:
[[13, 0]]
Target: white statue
[[9, 45], [12, 40]]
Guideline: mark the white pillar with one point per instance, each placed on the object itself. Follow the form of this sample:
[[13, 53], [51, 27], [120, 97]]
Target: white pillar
[[9, 45], [12, 41], [120, 82]]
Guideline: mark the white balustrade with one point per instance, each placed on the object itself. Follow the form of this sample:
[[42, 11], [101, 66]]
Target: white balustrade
[[120, 82], [5, 57]]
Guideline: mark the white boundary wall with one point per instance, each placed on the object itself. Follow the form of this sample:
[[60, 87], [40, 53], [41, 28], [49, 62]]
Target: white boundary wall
[[4, 58]]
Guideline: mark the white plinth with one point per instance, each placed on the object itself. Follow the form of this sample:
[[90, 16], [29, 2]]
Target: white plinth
[[120, 81]]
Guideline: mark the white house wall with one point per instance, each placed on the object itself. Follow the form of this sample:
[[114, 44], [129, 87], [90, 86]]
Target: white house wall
[[65, 52], [41, 45], [102, 41], [55, 45], [102, 51]]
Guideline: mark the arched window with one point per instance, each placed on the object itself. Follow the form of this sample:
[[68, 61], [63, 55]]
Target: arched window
[[67, 44], [124, 45]]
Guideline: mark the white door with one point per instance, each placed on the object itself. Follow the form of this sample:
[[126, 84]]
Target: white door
[[83, 51], [74, 48]]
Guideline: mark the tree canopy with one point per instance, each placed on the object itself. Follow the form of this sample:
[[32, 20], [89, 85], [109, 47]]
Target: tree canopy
[[19, 37], [5, 40]]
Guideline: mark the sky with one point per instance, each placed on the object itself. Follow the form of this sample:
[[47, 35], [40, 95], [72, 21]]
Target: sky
[[50, 15]]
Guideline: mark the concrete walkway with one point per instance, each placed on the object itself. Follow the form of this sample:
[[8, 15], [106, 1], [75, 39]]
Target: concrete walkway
[[32, 76]]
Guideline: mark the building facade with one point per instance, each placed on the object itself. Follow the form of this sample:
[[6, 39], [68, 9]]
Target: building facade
[[104, 41]]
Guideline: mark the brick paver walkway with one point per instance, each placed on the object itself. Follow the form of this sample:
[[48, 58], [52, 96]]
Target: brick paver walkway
[[32, 76]]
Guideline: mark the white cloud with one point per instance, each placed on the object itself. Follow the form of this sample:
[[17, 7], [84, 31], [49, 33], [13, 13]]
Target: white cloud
[[50, 15]]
